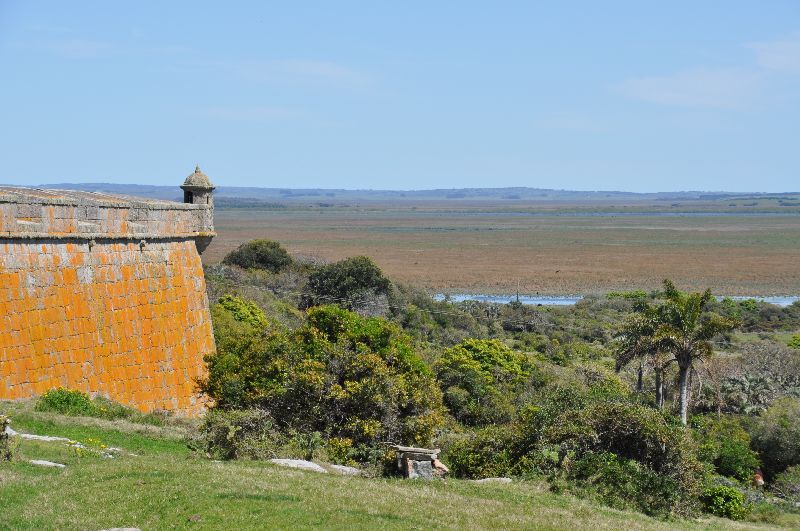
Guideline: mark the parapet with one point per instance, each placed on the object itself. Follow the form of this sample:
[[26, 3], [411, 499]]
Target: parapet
[[31, 213]]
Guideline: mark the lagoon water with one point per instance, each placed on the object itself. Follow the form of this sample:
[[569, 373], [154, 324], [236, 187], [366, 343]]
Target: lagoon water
[[568, 300], [554, 300]]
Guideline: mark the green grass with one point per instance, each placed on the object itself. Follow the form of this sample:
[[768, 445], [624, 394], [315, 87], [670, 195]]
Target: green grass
[[166, 487]]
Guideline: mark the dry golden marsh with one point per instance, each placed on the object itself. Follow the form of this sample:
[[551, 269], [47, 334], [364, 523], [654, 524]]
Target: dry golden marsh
[[558, 250]]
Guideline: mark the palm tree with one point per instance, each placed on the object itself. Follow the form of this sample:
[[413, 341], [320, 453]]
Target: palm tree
[[636, 341], [685, 330]]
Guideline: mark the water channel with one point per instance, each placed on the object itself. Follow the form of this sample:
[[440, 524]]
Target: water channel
[[568, 300]]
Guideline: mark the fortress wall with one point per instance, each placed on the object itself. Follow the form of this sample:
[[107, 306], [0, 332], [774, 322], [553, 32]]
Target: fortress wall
[[103, 296]]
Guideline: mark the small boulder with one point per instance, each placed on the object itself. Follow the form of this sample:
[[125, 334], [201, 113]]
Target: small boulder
[[42, 462], [299, 463], [492, 480]]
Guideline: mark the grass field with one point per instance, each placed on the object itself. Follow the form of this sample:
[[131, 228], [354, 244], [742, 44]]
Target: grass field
[[550, 249], [163, 486]]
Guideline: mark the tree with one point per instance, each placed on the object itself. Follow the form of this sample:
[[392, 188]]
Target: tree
[[685, 330], [636, 342], [351, 283], [259, 254]]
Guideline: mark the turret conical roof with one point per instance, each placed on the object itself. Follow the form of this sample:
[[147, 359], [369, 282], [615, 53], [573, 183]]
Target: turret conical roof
[[198, 180]]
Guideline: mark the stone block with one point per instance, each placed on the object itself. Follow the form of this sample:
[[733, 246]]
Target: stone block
[[419, 469]]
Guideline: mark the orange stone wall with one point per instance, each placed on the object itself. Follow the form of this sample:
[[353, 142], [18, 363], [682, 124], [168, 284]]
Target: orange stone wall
[[122, 318]]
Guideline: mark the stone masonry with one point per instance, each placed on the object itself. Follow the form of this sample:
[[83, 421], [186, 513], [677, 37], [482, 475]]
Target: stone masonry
[[105, 294]]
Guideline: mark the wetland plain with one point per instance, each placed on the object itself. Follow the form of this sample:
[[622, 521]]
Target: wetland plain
[[547, 248]]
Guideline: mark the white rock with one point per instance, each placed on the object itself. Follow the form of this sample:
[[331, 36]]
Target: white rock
[[345, 470], [299, 463], [41, 462], [492, 480], [46, 438]]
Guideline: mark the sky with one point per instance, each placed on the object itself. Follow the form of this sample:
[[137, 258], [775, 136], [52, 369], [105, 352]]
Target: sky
[[614, 95]]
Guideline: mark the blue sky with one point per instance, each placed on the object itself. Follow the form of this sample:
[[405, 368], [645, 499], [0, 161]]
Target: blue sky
[[638, 95]]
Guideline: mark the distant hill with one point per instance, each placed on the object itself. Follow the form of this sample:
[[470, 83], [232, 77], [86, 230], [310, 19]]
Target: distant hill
[[285, 195]]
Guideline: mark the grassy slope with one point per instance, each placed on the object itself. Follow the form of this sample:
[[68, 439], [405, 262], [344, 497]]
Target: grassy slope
[[164, 486]]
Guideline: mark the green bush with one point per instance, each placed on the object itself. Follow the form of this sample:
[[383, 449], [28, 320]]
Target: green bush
[[351, 283], [487, 453], [724, 444], [623, 484], [238, 434], [76, 403], [67, 402], [480, 379], [794, 342], [736, 460], [238, 325], [668, 471], [340, 374], [776, 436], [305, 445], [724, 501], [259, 254], [787, 484], [340, 450], [244, 311], [635, 295], [624, 454]]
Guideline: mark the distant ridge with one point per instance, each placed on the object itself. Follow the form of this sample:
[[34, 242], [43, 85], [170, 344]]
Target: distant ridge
[[441, 194]]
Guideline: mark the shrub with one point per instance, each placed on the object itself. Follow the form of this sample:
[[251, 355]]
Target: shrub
[[794, 342], [736, 460], [787, 484], [726, 445], [66, 402], [579, 427], [259, 254], [238, 325], [776, 436], [623, 484], [76, 403], [486, 453], [480, 379], [340, 450], [244, 311], [724, 501], [340, 374], [306, 445], [6, 448], [624, 454], [237, 434], [630, 295], [352, 283]]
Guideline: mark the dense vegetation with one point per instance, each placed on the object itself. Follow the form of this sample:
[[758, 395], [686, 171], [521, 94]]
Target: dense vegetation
[[665, 402]]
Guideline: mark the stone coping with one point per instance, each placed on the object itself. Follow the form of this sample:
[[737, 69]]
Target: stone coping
[[102, 236], [41, 196]]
